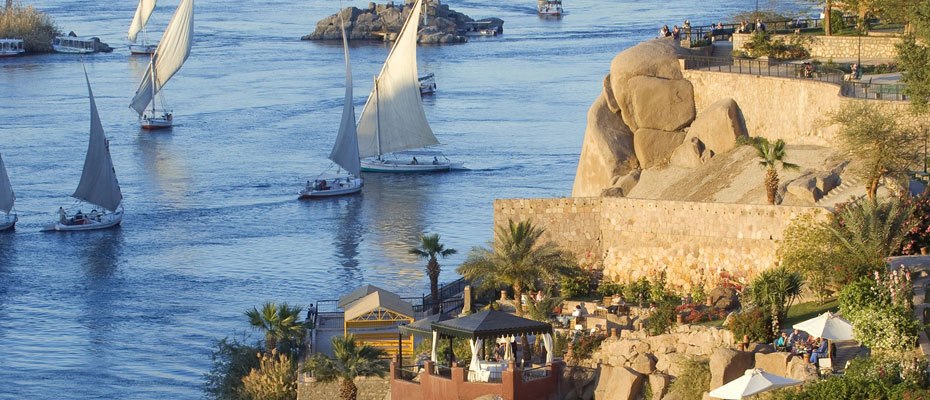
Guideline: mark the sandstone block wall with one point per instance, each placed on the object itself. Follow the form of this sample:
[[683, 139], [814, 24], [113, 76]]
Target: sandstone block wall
[[368, 389], [631, 238], [840, 46]]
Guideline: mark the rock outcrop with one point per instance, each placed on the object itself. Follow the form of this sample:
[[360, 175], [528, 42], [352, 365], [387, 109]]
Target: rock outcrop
[[384, 21], [618, 383], [607, 152], [727, 365]]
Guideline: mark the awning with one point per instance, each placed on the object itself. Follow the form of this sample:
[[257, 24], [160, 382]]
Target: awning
[[490, 324]]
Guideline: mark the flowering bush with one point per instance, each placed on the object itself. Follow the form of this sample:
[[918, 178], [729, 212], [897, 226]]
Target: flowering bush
[[695, 313], [919, 235], [755, 323], [881, 310]]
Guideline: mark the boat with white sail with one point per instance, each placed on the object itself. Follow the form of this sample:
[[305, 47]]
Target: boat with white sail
[[393, 119], [98, 186], [7, 198], [169, 56], [345, 150], [11, 47], [141, 17]]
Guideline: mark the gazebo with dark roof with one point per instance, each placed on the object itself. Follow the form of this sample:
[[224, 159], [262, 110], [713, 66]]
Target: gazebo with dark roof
[[490, 325]]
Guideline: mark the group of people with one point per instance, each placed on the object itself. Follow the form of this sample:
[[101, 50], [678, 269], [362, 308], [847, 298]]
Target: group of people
[[417, 162], [796, 343], [79, 218], [675, 32], [747, 27]]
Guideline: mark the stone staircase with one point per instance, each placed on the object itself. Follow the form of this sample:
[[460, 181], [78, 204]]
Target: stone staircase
[[722, 49], [838, 192]]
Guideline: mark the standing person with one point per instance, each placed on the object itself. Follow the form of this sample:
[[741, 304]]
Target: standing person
[[676, 33], [311, 313]]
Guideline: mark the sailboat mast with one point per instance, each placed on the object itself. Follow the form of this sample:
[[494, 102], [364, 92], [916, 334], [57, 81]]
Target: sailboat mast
[[378, 116], [152, 70]]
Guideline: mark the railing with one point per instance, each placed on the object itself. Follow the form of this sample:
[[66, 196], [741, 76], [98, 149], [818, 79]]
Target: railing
[[848, 88], [537, 373], [781, 26], [327, 306], [409, 373], [444, 372]]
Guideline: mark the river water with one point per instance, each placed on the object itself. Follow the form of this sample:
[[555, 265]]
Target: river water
[[212, 223]]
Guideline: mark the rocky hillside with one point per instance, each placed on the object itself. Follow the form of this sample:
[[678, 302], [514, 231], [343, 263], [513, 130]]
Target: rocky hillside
[[443, 25]]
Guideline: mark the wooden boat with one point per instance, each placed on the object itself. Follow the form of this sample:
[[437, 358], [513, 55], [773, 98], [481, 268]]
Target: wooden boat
[[169, 56]]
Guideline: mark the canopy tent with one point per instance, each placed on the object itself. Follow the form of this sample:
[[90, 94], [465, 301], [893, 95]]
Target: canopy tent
[[490, 324], [827, 326], [424, 327], [752, 382], [356, 294]]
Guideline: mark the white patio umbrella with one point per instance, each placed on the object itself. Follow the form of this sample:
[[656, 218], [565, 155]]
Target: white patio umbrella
[[827, 326], [752, 382]]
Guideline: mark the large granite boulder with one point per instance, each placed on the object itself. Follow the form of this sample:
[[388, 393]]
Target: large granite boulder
[[607, 151], [657, 103], [727, 365], [800, 369], [726, 298], [775, 363], [618, 383], [659, 384], [688, 154], [718, 126], [654, 147], [643, 363]]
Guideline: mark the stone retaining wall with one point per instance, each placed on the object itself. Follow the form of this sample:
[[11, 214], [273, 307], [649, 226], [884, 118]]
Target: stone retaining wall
[[840, 46], [631, 238], [368, 389]]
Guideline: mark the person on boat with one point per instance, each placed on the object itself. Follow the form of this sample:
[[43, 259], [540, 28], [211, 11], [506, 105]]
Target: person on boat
[[323, 185], [435, 160], [62, 217], [414, 162]]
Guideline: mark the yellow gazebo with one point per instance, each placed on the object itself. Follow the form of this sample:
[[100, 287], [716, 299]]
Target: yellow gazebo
[[375, 319]]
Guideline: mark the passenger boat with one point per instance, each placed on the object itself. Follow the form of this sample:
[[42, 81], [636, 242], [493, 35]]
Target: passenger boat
[[11, 47], [98, 185], [345, 150], [393, 119], [169, 56], [427, 83], [75, 45], [8, 218], [549, 8], [141, 17], [481, 28]]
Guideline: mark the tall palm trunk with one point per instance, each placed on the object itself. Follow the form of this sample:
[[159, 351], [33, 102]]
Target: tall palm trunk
[[827, 18], [518, 298], [771, 184], [270, 343], [347, 389], [432, 270]]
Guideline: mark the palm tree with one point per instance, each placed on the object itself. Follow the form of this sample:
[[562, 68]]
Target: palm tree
[[350, 360], [518, 259], [429, 248], [771, 155], [279, 323]]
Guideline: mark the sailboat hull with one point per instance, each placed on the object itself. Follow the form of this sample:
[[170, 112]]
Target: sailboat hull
[[8, 222], [142, 48], [334, 188], [164, 121], [105, 221], [376, 165]]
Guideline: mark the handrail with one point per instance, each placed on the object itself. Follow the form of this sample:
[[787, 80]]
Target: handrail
[[533, 374], [793, 70], [778, 26]]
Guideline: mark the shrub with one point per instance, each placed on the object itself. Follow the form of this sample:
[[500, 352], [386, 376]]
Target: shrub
[[755, 323], [638, 291], [881, 312], [808, 248], [583, 346], [274, 379], [693, 381], [775, 289], [35, 27], [761, 44], [610, 289], [919, 234], [867, 378], [697, 294], [578, 282], [837, 23], [661, 319], [231, 360]]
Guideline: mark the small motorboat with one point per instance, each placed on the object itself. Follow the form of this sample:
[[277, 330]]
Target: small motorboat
[[427, 83], [331, 185], [549, 8]]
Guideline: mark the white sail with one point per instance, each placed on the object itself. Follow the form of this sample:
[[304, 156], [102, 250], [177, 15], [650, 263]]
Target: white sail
[[143, 12], [393, 118], [98, 181], [6, 190], [345, 151], [172, 51]]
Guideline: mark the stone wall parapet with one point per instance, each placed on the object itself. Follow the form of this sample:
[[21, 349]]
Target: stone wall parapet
[[839, 46]]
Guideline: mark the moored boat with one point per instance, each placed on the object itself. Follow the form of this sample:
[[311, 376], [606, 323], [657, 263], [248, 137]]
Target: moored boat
[[345, 150], [75, 45], [427, 83], [393, 119], [549, 8], [7, 198], [98, 186], [141, 17], [11, 47]]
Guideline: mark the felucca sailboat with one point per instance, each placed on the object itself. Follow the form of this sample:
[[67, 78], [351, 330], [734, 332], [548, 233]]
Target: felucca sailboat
[[143, 12], [169, 56], [393, 121], [98, 185], [8, 221], [345, 151]]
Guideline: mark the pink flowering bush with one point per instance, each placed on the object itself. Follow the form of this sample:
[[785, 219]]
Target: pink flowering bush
[[881, 310]]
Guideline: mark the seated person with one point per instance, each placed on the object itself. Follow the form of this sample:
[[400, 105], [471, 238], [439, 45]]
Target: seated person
[[414, 162], [821, 351], [781, 343]]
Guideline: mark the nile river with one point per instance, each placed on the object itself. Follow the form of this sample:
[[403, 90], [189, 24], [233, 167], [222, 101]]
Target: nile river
[[212, 224]]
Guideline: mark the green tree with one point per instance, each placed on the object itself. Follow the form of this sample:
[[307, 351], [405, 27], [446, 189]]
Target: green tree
[[775, 290], [274, 379], [771, 155], [540, 310], [868, 232], [914, 59], [430, 247], [351, 360], [279, 323], [519, 259], [877, 140], [810, 248]]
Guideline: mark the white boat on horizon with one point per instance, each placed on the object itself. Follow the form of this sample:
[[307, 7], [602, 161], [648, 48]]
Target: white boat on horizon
[[393, 119], [345, 150], [11, 47], [7, 198], [98, 186], [549, 8], [141, 17], [169, 56]]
